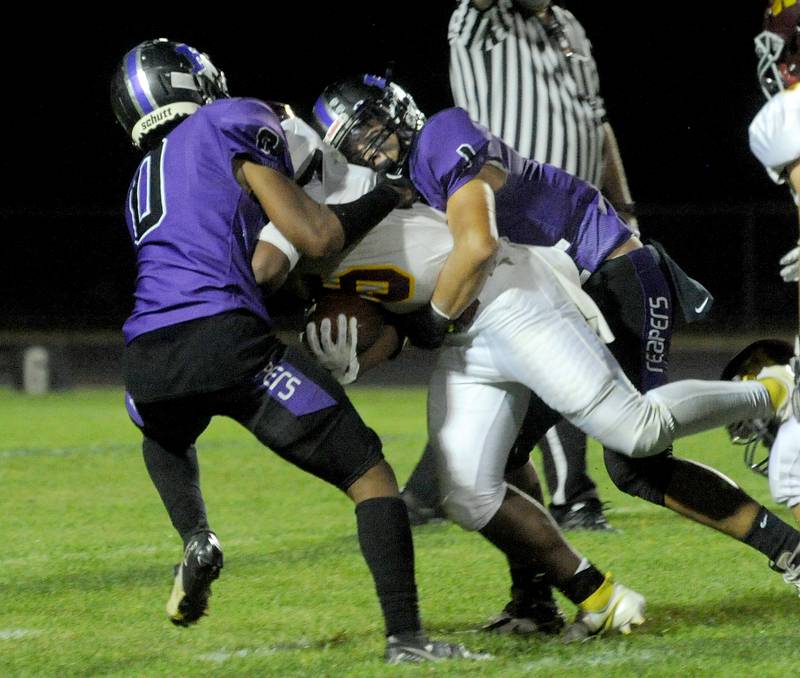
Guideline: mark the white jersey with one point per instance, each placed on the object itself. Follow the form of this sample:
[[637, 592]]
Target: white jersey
[[398, 262], [318, 167], [775, 133]]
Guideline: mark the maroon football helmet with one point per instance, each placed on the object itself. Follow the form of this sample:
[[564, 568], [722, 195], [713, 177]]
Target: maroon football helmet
[[777, 47]]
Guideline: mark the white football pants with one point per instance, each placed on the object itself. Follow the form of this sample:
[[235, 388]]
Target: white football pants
[[530, 336]]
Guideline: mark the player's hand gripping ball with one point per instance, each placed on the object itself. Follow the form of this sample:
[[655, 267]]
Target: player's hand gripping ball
[[339, 328], [368, 315]]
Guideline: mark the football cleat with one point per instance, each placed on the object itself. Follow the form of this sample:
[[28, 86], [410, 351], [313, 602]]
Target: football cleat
[[202, 561], [533, 611], [788, 564], [613, 607], [785, 376], [417, 648], [582, 515]]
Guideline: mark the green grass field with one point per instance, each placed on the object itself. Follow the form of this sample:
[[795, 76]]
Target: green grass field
[[85, 566]]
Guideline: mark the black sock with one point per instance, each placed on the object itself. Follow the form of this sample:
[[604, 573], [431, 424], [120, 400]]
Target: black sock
[[384, 534], [177, 479], [770, 535], [528, 583], [583, 584]]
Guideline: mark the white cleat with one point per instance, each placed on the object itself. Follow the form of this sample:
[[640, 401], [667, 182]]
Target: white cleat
[[785, 375], [788, 564], [624, 610]]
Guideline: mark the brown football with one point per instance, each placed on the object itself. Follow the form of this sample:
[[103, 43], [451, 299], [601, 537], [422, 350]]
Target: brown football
[[368, 314]]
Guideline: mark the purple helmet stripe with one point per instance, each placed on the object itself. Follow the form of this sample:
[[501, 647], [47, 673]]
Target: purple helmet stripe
[[133, 72], [321, 111], [374, 80], [192, 55]]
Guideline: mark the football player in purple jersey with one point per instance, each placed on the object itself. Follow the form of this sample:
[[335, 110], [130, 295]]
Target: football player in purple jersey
[[198, 340], [461, 168]]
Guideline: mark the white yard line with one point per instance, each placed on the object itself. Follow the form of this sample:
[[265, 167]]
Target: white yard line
[[596, 656], [224, 654], [16, 634]]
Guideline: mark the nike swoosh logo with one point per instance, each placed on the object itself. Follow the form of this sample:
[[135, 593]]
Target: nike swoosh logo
[[763, 523], [699, 309]]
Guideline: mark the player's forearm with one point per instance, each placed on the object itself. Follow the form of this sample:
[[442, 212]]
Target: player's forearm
[[615, 181], [793, 175], [270, 266], [463, 275], [312, 228], [471, 220]]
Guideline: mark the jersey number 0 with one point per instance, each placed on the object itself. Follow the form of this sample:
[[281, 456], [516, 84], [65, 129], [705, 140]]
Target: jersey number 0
[[146, 196]]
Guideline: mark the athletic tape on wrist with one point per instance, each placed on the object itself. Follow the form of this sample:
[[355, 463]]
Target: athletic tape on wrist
[[272, 235]]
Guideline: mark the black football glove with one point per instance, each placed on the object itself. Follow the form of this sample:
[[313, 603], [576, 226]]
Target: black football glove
[[425, 328], [398, 180]]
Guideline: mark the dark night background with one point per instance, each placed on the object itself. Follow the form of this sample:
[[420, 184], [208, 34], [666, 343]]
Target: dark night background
[[679, 85]]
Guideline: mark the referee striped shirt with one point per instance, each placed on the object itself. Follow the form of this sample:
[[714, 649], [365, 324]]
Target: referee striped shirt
[[513, 76]]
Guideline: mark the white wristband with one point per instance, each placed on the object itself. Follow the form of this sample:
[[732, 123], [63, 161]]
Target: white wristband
[[273, 236]]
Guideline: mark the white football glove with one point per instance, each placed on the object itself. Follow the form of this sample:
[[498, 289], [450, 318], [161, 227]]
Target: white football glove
[[338, 357], [788, 261]]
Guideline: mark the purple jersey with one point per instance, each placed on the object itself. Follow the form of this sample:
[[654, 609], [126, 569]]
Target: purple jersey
[[194, 227], [539, 203]]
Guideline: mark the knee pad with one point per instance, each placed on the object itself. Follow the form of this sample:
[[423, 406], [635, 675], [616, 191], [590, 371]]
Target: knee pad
[[471, 510], [656, 428]]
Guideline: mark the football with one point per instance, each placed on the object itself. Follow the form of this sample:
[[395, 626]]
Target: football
[[368, 314]]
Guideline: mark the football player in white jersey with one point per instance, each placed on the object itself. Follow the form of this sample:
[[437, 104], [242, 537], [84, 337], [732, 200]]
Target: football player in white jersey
[[775, 141], [530, 333], [460, 167]]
